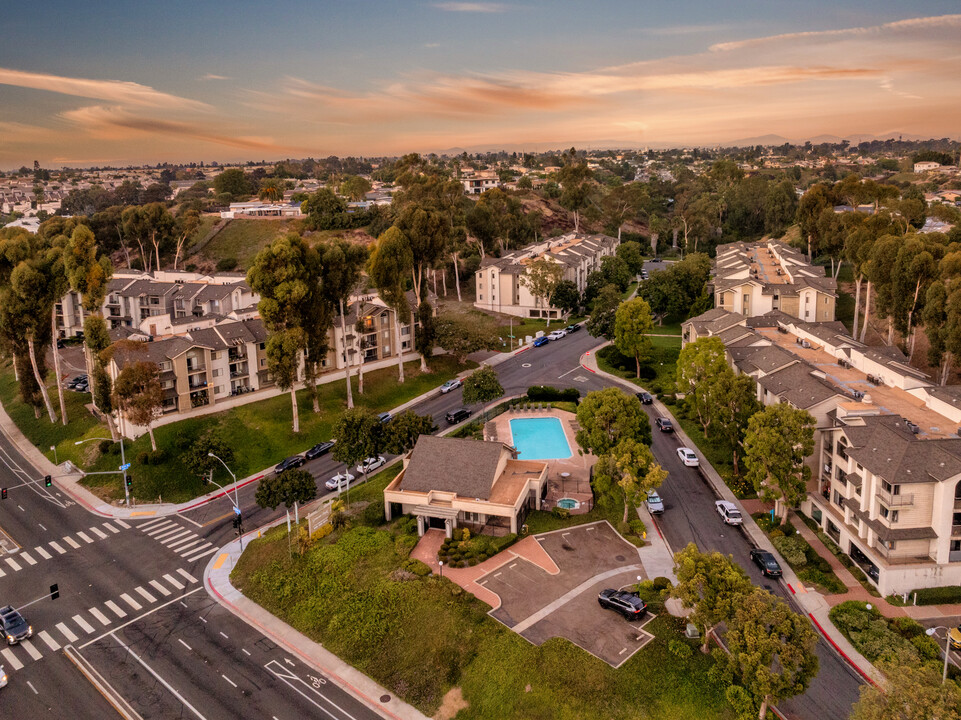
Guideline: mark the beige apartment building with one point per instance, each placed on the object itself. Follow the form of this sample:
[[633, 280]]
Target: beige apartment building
[[755, 278], [499, 281], [886, 467]]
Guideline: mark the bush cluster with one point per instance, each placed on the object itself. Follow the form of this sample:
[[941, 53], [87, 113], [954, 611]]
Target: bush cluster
[[458, 553], [879, 639], [938, 595], [546, 392], [680, 649]]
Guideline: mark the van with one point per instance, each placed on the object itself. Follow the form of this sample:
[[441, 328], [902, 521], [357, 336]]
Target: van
[[457, 415]]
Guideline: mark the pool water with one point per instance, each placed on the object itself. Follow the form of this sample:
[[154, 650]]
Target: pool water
[[539, 438], [568, 503]]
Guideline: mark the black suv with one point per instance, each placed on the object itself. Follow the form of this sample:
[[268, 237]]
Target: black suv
[[626, 603], [15, 628], [457, 415], [664, 424], [645, 398], [319, 449], [767, 562], [295, 461]]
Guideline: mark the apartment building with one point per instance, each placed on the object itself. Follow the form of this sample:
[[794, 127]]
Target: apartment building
[[480, 184], [499, 284], [755, 278], [886, 469]]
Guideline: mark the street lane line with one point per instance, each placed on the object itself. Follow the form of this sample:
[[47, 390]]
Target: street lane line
[[228, 679], [182, 550], [67, 632], [51, 643], [111, 528], [187, 575], [56, 547], [121, 523], [159, 588], [184, 644], [116, 609], [174, 538], [220, 561], [174, 581], [98, 532], [31, 650], [289, 679], [131, 602], [182, 543], [211, 551], [143, 513], [2, 573], [104, 620], [84, 625], [71, 542], [139, 618], [13, 563], [83, 536], [42, 553], [11, 658], [146, 596], [27, 557]]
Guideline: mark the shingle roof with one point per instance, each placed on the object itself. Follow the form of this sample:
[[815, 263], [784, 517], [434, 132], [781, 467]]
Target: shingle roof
[[464, 467], [886, 447], [799, 386]]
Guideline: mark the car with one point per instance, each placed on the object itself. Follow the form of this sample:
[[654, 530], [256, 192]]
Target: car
[[626, 603], [645, 398], [451, 385], [572, 328], [371, 463], [79, 380], [457, 415], [294, 461], [655, 505], [319, 449], [644, 275], [688, 457], [954, 638], [3, 677], [557, 334], [82, 387], [656, 259], [385, 417], [729, 512], [340, 480], [767, 562], [664, 424], [15, 627], [543, 340]]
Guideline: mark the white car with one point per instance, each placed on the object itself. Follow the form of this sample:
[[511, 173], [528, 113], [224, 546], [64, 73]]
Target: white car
[[371, 463], [655, 505], [451, 385], [687, 456], [3, 677], [729, 512], [557, 334], [340, 480]]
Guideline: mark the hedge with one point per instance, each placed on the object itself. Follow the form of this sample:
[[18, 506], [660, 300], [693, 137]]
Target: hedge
[[937, 595], [548, 393]]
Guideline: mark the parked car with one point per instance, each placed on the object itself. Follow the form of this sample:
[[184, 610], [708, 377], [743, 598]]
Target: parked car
[[385, 417], [573, 328], [3, 677], [294, 461], [688, 457], [954, 638], [339, 480], [319, 449], [645, 398], [767, 562], [79, 380], [557, 334], [451, 385], [626, 603], [664, 424], [457, 415], [371, 463], [655, 505], [657, 259], [643, 274], [15, 627], [82, 387], [728, 512], [542, 340]]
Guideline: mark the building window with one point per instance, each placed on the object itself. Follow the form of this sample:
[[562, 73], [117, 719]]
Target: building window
[[214, 355], [481, 296], [218, 389], [889, 515], [837, 498], [216, 372], [405, 330]]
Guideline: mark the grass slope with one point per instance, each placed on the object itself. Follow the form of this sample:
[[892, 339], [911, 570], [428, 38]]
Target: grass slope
[[243, 239]]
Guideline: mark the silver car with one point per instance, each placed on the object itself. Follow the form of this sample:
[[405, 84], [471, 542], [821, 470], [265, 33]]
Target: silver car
[[655, 506]]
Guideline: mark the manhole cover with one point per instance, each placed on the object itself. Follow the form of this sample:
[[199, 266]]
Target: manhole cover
[[385, 698], [619, 558], [526, 365]]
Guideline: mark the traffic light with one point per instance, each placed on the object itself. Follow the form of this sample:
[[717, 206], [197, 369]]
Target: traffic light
[[47, 481], [128, 481], [3, 493], [54, 591]]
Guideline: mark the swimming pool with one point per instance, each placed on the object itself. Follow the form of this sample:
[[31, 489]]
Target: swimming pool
[[540, 438]]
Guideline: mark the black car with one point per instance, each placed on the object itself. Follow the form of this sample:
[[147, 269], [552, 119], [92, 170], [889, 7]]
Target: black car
[[573, 328], [15, 628], [664, 424], [767, 562], [319, 449], [626, 603], [645, 398], [458, 415], [295, 461]]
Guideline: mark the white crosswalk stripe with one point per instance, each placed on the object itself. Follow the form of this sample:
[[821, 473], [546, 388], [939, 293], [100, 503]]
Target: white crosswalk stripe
[[145, 595], [122, 524], [187, 575], [98, 532], [205, 553], [169, 533], [51, 643], [2, 573], [13, 563], [31, 650], [67, 632], [83, 536], [26, 556], [71, 542], [186, 549], [174, 581], [83, 624], [56, 546], [111, 528], [11, 658], [176, 537], [130, 601], [115, 609], [104, 620], [152, 523], [159, 588], [181, 544], [42, 553], [163, 527]]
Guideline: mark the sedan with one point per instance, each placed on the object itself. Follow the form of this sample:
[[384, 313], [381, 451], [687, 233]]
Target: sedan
[[371, 463], [626, 603], [319, 449], [543, 340], [573, 328], [687, 456], [664, 424], [15, 628], [557, 334], [451, 385], [655, 506], [767, 562], [294, 461], [3, 677], [338, 481]]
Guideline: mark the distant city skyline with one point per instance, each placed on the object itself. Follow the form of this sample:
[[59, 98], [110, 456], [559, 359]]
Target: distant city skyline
[[110, 83]]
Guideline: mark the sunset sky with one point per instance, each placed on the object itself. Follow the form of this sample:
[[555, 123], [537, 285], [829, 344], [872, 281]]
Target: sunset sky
[[105, 82]]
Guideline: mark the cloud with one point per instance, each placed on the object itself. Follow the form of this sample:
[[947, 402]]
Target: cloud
[[211, 76], [115, 91], [471, 7]]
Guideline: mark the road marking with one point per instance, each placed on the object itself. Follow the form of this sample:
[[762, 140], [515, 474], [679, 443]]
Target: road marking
[[13, 563], [116, 609], [84, 625], [67, 632], [83, 536], [2, 573], [220, 561], [228, 680], [184, 550], [225, 636], [51, 643], [246, 652], [174, 581], [180, 536], [42, 553], [122, 524], [71, 542], [56, 547], [31, 650], [159, 588], [153, 523], [42, 527], [159, 527], [163, 529], [131, 602], [289, 678], [143, 513], [187, 575], [215, 520], [203, 619], [205, 553], [98, 532], [169, 533], [184, 644], [569, 372], [11, 658], [104, 620], [32, 688], [146, 596], [27, 557], [111, 528], [183, 541]]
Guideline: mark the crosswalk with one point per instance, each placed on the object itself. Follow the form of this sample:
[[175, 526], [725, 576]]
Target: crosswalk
[[29, 557], [183, 541], [92, 620]]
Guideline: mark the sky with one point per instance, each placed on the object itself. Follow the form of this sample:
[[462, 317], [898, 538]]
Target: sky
[[106, 82]]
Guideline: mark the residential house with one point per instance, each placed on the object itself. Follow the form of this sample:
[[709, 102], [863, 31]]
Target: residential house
[[262, 210], [922, 167]]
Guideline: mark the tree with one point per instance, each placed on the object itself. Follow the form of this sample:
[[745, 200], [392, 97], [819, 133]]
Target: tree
[[388, 265], [672, 292], [604, 312], [138, 394], [622, 204], [325, 211], [777, 441], [697, 363], [734, 402], [482, 386], [608, 416], [567, 298], [291, 487], [197, 456], [234, 182], [426, 337], [633, 255], [270, 191], [404, 429], [355, 187], [910, 693], [632, 325], [542, 278], [461, 336], [712, 585], [575, 179], [187, 224], [359, 435], [341, 264], [631, 469], [811, 205], [771, 651]]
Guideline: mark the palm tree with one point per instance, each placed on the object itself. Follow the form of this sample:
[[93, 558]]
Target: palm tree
[[270, 191]]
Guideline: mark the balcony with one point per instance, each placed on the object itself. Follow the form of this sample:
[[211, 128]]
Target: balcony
[[194, 383], [235, 354], [893, 501], [196, 367], [957, 503], [956, 531], [238, 370]]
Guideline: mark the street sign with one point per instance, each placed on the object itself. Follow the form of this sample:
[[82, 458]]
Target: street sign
[[236, 510], [125, 466]]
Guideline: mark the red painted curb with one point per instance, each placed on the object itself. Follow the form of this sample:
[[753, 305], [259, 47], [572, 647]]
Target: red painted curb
[[790, 588], [588, 369], [657, 528], [523, 349], [840, 651]]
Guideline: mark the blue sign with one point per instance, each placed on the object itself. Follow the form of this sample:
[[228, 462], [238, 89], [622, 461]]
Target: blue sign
[[125, 467], [236, 510]]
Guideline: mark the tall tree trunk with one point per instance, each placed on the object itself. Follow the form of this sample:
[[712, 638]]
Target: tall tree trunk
[[156, 247], [56, 365], [837, 270], [867, 312], [360, 360], [890, 330], [111, 426], [619, 233], [457, 274], [433, 272], [764, 703], [810, 242], [577, 221], [123, 244], [625, 509], [293, 407], [43, 387], [400, 346], [913, 330], [945, 368], [443, 279], [423, 361], [153, 440], [706, 647], [343, 330], [857, 306]]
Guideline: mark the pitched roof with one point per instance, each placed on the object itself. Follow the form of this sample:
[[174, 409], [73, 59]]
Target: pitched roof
[[886, 447], [465, 467], [798, 385]]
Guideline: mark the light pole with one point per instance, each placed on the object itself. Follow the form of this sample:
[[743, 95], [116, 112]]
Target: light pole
[[123, 466], [236, 501], [440, 564], [931, 632]]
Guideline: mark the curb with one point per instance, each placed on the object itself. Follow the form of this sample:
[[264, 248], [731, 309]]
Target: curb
[[840, 651]]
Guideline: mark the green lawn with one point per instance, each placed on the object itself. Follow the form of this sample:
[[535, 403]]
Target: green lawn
[[630, 290], [242, 239], [662, 364], [206, 223]]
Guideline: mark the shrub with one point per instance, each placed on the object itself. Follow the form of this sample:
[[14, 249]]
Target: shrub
[[465, 535], [637, 527], [417, 568], [158, 457], [373, 514], [546, 392], [829, 582], [792, 549], [938, 595], [501, 543], [927, 647], [661, 583], [562, 513], [680, 649], [226, 264], [774, 534], [322, 532], [105, 446]]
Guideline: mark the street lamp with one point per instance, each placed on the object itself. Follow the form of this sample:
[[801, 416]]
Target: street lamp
[[236, 502], [931, 632], [123, 466], [440, 563]]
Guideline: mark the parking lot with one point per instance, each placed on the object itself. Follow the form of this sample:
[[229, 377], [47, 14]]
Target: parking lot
[[541, 602]]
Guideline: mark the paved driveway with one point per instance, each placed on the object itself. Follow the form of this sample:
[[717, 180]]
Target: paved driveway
[[539, 604]]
